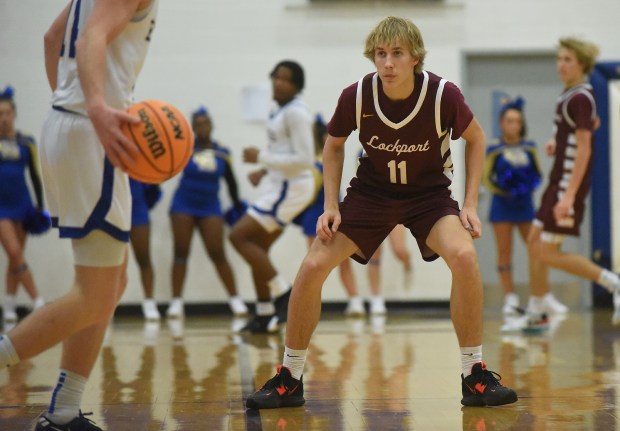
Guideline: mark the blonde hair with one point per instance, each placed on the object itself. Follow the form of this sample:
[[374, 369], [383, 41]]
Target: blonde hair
[[586, 52], [393, 29]]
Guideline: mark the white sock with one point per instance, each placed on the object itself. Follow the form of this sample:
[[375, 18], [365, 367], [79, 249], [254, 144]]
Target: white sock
[[294, 360], [265, 309], [536, 305], [9, 302], [278, 285], [609, 280], [8, 355], [67, 397], [469, 357]]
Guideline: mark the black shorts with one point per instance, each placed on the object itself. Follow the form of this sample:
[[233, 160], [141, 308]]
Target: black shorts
[[367, 219]]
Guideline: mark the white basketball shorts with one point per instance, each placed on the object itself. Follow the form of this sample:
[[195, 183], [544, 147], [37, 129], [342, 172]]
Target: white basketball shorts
[[282, 200], [83, 190]]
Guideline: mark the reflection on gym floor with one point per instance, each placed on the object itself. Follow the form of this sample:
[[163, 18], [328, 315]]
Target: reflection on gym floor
[[394, 373]]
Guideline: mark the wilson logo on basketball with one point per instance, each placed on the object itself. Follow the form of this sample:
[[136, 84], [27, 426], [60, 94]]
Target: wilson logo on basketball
[[174, 122], [163, 138], [155, 146]]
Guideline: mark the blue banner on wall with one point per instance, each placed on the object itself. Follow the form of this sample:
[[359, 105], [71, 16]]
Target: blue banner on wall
[[602, 74]]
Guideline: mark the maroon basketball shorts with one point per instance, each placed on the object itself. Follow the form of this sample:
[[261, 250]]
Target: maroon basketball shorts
[[569, 226], [367, 219]]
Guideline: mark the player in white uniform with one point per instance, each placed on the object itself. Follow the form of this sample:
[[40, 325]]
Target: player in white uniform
[[93, 53], [287, 188]]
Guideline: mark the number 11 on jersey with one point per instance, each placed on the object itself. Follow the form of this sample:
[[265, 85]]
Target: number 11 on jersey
[[395, 170]]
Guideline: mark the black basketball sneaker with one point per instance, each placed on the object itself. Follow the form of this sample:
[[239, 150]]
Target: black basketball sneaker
[[280, 391], [482, 388]]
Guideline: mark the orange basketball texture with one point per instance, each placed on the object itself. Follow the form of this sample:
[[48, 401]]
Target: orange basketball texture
[[164, 138]]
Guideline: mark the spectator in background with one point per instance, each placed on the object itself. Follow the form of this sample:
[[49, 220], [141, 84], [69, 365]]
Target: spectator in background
[[196, 204], [18, 215], [512, 173]]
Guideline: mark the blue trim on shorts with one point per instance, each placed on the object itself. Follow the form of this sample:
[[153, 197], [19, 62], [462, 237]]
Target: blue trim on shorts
[[96, 220], [67, 111], [273, 211]]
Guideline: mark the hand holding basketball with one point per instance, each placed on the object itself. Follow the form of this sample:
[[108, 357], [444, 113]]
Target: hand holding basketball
[[164, 139]]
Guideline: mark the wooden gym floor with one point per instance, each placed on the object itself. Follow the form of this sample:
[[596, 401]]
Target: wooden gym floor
[[394, 373]]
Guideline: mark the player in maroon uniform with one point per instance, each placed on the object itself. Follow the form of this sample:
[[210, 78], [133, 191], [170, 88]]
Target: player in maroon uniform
[[563, 203], [406, 118]]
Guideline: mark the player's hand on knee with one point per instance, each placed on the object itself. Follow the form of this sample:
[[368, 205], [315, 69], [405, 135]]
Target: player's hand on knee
[[327, 224], [471, 222]]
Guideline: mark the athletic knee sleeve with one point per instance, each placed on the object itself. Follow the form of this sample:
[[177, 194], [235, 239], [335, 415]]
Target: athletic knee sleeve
[[98, 249]]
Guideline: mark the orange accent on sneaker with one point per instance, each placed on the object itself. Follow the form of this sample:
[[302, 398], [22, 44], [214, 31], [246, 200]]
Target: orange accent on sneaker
[[479, 387], [281, 389]]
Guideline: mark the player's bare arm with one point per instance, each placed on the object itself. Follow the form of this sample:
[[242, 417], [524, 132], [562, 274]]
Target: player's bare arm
[[107, 21], [333, 159], [474, 162], [564, 206], [53, 45]]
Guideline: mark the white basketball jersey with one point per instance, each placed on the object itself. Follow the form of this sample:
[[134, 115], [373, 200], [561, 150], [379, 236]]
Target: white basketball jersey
[[125, 56], [290, 149]]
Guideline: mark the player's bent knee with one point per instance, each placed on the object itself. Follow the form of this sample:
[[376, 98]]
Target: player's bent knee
[[464, 259], [314, 266]]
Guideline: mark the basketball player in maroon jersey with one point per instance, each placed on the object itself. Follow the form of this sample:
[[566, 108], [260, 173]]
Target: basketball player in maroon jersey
[[406, 118], [563, 203]]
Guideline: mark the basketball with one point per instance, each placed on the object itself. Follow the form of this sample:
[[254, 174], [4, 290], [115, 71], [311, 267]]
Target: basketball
[[163, 137]]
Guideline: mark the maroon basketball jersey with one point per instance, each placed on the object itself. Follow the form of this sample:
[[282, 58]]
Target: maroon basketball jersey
[[575, 109], [406, 143]]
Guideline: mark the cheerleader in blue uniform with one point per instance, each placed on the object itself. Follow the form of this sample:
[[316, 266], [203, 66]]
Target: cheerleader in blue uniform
[[18, 215], [196, 204], [143, 199], [512, 173]]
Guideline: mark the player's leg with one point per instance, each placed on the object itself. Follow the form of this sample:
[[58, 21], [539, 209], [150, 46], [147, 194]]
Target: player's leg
[[81, 349], [550, 302], [454, 244], [575, 264], [253, 242], [140, 238], [91, 300], [211, 230], [304, 313], [182, 229], [305, 302]]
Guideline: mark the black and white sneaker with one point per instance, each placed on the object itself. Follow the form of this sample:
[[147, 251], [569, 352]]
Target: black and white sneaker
[[80, 423], [482, 388], [280, 391], [262, 325]]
